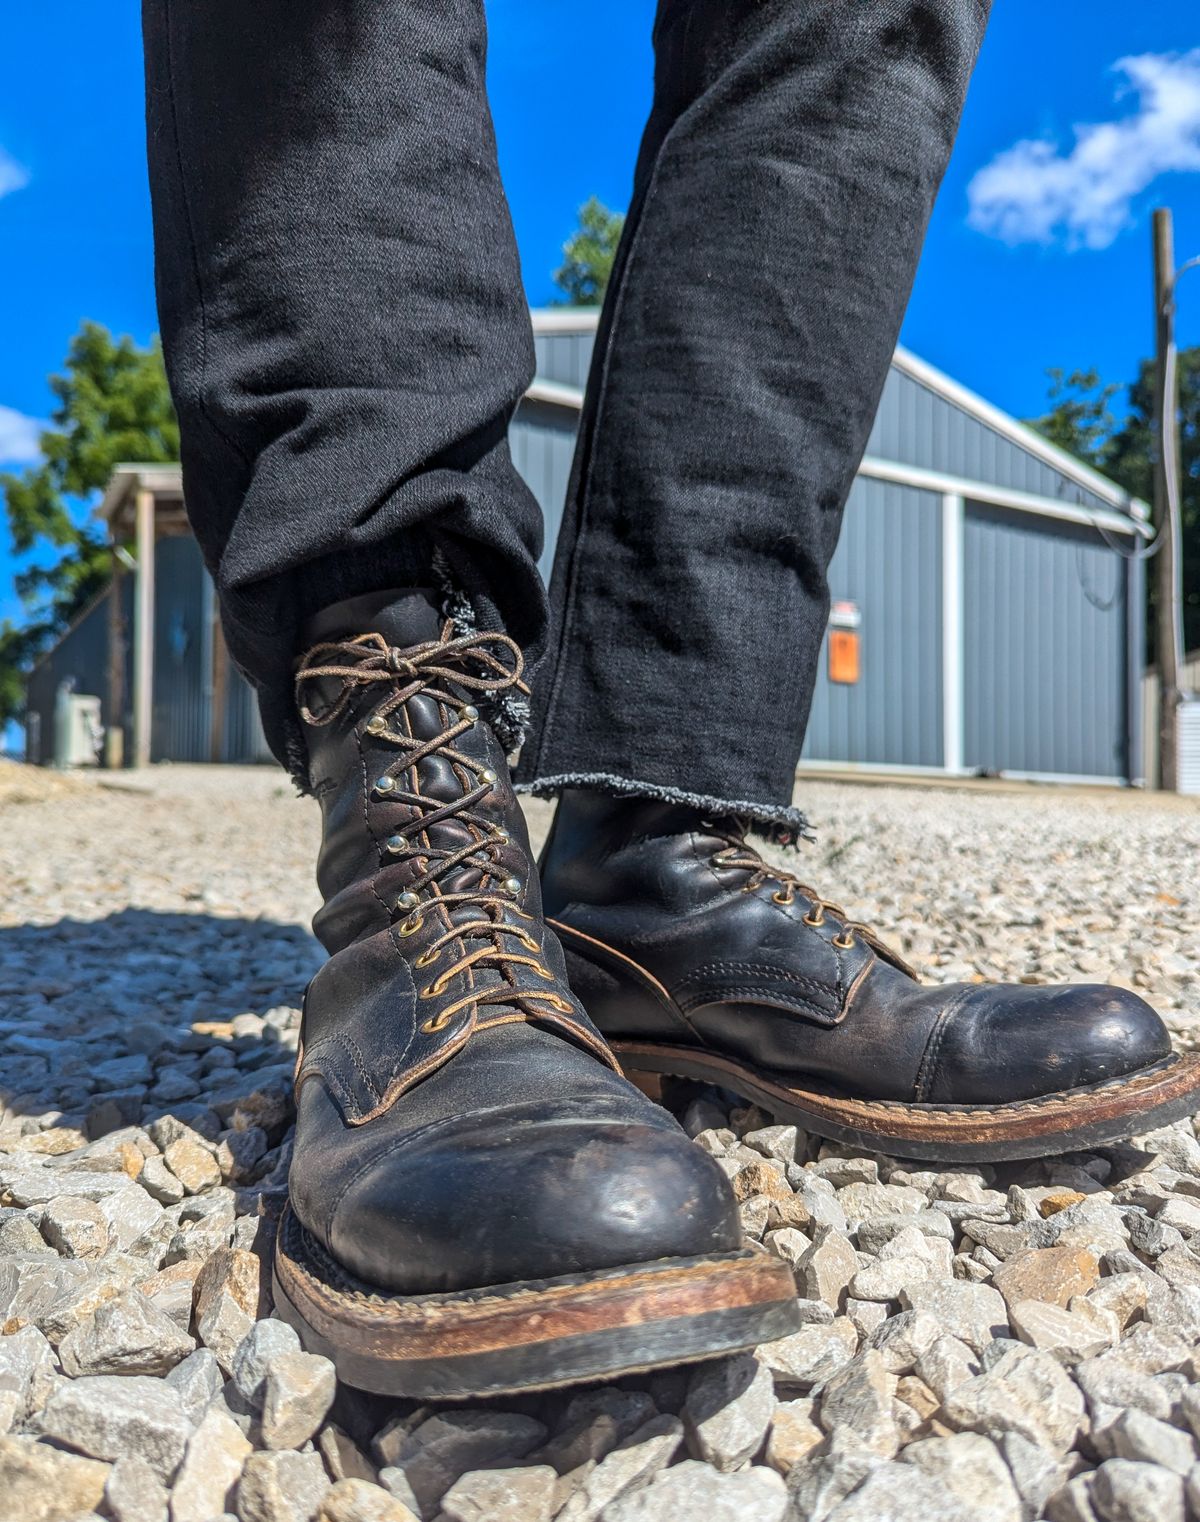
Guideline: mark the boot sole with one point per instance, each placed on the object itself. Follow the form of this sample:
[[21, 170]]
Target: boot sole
[[532, 1335], [1067, 1121]]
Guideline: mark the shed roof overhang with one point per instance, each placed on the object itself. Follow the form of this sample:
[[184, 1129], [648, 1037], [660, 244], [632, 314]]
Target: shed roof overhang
[[118, 506]]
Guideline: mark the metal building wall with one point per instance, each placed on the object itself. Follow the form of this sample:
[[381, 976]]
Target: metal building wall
[[1045, 656], [889, 562], [181, 717], [542, 440], [564, 357], [81, 656], [915, 426]]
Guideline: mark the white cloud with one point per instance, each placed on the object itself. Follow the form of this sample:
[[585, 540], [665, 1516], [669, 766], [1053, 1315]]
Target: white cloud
[[18, 437], [13, 176], [1038, 192]]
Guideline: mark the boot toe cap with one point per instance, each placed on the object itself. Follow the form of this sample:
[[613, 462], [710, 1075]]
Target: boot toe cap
[[468, 1205], [1000, 1045]]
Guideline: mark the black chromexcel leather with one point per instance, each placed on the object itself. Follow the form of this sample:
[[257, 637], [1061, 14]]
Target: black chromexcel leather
[[681, 938], [461, 1122]]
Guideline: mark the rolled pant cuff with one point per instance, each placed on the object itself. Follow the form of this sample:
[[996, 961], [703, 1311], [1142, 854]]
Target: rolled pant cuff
[[779, 823]]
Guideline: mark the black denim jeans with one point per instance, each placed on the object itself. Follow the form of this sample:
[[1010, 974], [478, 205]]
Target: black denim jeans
[[347, 339]]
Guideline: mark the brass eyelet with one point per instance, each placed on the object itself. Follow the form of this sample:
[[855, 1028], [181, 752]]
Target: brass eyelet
[[783, 897], [436, 1023], [843, 943], [410, 926], [428, 958], [544, 972], [815, 920]]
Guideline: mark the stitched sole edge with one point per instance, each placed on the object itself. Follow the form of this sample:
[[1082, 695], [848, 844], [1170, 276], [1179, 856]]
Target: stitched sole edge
[[1070, 1120], [530, 1335]]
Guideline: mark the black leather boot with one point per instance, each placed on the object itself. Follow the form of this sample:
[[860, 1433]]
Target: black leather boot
[[479, 1201], [696, 958]]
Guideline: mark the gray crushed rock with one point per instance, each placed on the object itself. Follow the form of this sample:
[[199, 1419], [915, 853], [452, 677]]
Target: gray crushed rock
[[1003, 1343]]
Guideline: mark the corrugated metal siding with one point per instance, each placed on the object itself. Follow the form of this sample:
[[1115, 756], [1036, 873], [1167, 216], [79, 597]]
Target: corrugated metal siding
[[542, 440], [181, 718], [914, 426], [1044, 647], [244, 738], [889, 562], [564, 357], [81, 658]]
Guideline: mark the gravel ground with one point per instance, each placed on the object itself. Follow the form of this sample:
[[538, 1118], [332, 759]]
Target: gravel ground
[[991, 1344]]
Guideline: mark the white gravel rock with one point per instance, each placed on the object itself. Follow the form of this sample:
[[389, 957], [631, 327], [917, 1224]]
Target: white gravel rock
[[76, 1228], [728, 1410], [109, 1058], [263, 1345], [134, 1493], [971, 1468], [974, 1313], [125, 1335], [502, 1495], [39, 1483], [1134, 1435], [634, 1463], [898, 1493], [858, 1398], [692, 1490], [452, 1443], [1026, 1392], [212, 1465], [300, 1388], [811, 1355], [281, 1487], [111, 1416], [1126, 1491]]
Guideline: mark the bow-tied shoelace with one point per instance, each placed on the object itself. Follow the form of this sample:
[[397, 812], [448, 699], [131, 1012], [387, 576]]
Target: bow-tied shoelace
[[482, 663]]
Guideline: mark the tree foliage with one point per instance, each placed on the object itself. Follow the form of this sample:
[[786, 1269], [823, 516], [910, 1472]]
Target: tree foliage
[[1081, 421], [588, 255], [113, 405]]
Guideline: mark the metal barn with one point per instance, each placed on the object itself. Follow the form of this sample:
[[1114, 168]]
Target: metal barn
[[987, 613]]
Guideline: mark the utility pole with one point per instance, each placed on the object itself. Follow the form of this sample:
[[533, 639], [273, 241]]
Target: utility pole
[[1167, 473]]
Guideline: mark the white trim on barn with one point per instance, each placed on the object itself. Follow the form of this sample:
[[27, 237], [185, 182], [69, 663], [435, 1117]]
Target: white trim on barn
[[953, 690], [1018, 433]]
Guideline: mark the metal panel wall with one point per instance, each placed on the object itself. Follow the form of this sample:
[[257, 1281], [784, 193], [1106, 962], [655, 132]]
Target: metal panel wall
[[80, 658], [914, 426], [1044, 652], [889, 562], [564, 357], [181, 721], [542, 440]]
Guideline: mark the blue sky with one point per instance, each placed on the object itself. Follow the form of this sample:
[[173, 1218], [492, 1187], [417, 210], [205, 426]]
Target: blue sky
[[1037, 256]]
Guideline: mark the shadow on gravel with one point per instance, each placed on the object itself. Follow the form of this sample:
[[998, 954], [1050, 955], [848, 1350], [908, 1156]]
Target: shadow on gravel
[[98, 1017]]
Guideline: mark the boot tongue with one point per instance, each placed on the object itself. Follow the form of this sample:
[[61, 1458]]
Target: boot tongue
[[403, 617]]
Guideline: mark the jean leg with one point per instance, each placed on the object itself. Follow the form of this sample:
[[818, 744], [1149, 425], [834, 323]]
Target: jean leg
[[784, 184], [344, 323]]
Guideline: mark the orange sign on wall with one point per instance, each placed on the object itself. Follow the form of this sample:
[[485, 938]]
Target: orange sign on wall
[[843, 656]]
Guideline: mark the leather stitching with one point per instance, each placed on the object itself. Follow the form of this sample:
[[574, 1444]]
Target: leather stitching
[[709, 969], [756, 996]]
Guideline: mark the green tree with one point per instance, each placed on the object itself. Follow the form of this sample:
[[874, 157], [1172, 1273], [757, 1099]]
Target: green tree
[[1081, 421], [113, 404], [588, 255]]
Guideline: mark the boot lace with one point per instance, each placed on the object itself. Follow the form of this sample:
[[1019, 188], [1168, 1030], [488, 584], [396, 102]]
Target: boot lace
[[482, 663], [739, 855]]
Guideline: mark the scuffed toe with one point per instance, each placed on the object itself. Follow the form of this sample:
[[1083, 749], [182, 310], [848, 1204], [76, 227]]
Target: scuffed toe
[[470, 1205], [1000, 1044]]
